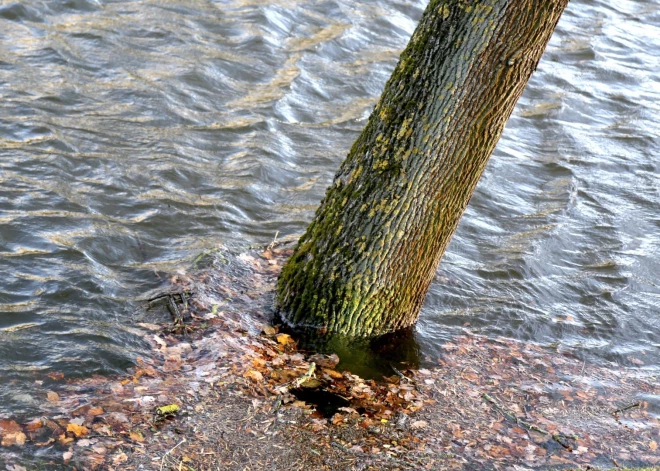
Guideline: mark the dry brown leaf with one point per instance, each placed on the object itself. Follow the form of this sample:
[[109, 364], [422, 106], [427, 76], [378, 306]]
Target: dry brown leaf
[[137, 436], [46, 443], [337, 419], [16, 438], [325, 361], [255, 376], [473, 378], [94, 411], [9, 426], [333, 374], [653, 445], [172, 364], [53, 397], [284, 339], [100, 449], [63, 439], [77, 430], [33, 425], [154, 327], [366, 423], [119, 458]]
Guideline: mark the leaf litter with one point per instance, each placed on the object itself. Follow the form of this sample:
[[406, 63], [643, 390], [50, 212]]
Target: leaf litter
[[225, 390]]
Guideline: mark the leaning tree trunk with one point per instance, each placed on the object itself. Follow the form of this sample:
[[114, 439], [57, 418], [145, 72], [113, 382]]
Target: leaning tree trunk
[[365, 263]]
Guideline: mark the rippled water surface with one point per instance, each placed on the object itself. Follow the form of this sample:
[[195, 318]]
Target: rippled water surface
[[134, 135]]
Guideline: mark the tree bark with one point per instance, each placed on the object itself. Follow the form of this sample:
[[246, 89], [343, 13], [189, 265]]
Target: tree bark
[[365, 263]]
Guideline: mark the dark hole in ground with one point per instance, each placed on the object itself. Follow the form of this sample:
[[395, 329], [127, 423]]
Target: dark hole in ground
[[326, 403]]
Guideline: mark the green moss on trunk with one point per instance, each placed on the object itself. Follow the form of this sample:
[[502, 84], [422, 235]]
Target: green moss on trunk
[[365, 263]]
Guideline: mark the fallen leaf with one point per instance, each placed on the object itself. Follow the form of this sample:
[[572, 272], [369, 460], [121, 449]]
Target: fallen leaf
[[325, 361], [16, 438], [269, 330], [419, 424], [333, 374], [255, 376], [137, 436], [78, 430], [46, 443], [653, 445], [53, 397], [154, 327], [284, 339], [173, 363], [119, 458], [170, 409], [9, 426], [67, 455], [94, 411], [159, 341], [33, 425], [55, 375], [310, 383]]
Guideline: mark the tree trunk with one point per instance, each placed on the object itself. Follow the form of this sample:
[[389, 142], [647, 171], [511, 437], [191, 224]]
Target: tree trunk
[[365, 263]]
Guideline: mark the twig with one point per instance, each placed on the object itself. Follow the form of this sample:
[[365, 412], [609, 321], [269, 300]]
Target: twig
[[278, 403], [174, 310], [272, 244], [529, 426], [631, 406], [160, 294], [400, 374], [309, 375], [370, 457], [162, 460]]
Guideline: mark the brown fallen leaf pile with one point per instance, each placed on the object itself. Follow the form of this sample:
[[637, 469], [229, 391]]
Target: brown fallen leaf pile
[[240, 388]]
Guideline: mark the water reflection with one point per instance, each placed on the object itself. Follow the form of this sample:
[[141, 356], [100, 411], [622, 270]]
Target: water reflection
[[374, 358], [134, 135]]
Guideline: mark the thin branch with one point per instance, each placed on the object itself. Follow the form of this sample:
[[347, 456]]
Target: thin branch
[[162, 460], [558, 437]]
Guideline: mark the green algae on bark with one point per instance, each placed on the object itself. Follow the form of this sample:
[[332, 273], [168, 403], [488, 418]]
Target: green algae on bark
[[365, 263]]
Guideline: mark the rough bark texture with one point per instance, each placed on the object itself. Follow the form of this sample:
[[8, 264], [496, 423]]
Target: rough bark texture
[[365, 263]]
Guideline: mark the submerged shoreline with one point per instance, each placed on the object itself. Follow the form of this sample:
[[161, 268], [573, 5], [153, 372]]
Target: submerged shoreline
[[235, 385]]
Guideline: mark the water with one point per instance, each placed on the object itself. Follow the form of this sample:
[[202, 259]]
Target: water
[[134, 135]]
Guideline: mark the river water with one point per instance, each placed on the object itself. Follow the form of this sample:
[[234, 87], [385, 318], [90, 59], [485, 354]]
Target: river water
[[134, 135]]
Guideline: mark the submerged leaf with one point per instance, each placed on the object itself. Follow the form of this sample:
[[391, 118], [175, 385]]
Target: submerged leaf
[[77, 430]]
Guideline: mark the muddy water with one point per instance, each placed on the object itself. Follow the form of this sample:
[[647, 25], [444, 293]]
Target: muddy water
[[134, 135]]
